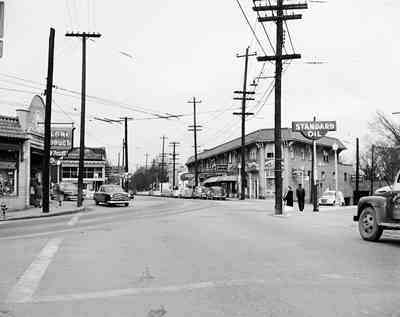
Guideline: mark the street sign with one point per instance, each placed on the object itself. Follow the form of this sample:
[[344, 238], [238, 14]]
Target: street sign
[[313, 130]]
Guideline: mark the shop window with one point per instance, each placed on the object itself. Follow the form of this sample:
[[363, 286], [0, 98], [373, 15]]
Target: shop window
[[303, 154], [8, 182], [69, 172], [325, 156], [270, 155], [253, 155]]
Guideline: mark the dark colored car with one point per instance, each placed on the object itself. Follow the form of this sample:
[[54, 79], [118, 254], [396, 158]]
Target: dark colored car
[[378, 213], [69, 191], [218, 192], [111, 195], [200, 192]]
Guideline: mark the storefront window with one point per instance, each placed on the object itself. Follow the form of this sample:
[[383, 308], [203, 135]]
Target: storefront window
[[8, 180], [69, 172]]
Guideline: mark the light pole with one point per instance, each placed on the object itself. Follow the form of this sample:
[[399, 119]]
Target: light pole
[[335, 148]]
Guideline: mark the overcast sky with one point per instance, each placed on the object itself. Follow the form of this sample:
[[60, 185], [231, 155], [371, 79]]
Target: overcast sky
[[183, 49]]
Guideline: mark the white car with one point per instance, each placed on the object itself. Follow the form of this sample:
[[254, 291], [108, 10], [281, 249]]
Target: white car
[[332, 198]]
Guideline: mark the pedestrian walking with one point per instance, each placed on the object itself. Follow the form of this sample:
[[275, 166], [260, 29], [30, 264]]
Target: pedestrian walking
[[300, 194]]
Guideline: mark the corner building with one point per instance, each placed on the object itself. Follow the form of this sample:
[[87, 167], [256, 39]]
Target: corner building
[[221, 164]]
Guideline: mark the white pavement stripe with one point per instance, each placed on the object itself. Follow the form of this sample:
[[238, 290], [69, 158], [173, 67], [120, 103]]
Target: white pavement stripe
[[27, 285], [74, 220], [143, 291]]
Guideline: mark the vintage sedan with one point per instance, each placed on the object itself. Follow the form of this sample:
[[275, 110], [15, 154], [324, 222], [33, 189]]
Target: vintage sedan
[[111, 195]]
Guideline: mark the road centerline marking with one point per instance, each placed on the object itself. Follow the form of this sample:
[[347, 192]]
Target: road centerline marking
[[28, 283], [74, 220]]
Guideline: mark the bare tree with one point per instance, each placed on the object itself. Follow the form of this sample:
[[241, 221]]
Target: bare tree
[[385, 137]]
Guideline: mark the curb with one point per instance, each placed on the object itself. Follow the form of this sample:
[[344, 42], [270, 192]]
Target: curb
[[63, 213]]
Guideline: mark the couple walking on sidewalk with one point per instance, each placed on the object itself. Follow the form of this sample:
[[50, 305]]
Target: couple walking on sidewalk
[[300, 195]]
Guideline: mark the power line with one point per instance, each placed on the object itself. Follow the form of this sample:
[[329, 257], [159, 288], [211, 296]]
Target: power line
[[252, 29]]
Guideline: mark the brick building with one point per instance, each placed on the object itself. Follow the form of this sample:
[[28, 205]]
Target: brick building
[[221, 164]]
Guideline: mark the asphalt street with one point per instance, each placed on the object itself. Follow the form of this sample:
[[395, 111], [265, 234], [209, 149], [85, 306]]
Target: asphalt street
[[171, 257]]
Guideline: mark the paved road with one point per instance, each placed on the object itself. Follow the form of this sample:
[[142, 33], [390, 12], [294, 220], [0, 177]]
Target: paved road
[[196, 258]]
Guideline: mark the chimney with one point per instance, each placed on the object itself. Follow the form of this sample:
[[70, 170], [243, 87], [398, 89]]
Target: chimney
[[23, 115]]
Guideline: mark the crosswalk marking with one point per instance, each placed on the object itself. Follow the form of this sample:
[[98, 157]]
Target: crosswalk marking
[[28, 283]]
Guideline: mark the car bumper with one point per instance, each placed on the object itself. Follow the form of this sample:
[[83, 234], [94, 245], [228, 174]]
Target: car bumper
[[116, 202]]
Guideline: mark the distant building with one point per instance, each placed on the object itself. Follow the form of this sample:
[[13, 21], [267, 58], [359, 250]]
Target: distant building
[[221, 164], [94, 171]]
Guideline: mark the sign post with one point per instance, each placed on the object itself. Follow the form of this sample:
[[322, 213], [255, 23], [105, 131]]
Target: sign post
[[314, 130]]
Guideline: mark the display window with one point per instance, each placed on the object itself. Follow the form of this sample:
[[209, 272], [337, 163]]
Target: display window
[[8, 182]]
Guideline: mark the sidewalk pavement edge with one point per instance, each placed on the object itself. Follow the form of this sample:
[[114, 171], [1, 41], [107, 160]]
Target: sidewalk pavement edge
[[50, 214]]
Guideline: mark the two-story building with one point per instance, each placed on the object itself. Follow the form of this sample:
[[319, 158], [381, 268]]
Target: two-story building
[[221, 164], [94, 174]]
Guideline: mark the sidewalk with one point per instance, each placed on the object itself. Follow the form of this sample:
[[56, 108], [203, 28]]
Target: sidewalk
[[68, 207]]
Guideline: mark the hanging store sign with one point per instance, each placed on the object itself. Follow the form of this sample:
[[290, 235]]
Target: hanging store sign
[[313, 130], [61, 141]]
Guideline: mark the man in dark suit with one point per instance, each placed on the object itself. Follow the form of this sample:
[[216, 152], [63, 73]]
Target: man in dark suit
[[300, 194]]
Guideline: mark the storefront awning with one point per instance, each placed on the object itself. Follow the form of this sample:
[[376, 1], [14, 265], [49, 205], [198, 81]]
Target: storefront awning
[[221, 179]]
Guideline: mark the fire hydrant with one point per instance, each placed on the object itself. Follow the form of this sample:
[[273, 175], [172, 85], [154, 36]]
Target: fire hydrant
[[4, 208]]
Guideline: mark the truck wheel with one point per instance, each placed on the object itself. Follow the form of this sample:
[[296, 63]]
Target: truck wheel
[[368, 225]]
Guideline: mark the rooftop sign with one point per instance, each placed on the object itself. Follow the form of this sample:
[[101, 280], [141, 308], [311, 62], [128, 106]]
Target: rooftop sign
[[313, 130]]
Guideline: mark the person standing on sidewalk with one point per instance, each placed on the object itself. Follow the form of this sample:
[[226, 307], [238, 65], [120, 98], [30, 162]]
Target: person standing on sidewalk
[[59, 194], [300, 194], [289, 197]]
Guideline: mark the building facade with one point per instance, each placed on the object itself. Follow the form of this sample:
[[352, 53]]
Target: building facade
[[94, 167], [221, 165], [21, 154]]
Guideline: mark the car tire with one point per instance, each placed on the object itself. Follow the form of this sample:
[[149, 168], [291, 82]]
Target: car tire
[[368, 225], [126, 205], [96, 202]]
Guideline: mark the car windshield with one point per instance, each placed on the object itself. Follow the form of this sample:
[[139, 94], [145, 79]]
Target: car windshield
[[112, 189], [329, 193]]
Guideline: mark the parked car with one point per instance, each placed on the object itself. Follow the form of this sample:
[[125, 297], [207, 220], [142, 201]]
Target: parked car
[[218, 192], [89, 194], [185, 192], [331, 198], [111, 195], [200, 192], [69, 190], [175, 193], [379, 212]]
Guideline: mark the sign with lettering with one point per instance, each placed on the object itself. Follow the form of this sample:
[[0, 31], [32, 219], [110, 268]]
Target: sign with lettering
[[313, 130], [61, 139]]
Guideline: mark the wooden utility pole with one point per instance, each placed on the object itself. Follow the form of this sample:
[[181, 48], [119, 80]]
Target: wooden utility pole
[[243, 114], [81, 167], [357, 196], [314, 187], [162, 162], [174, 154], [47, 126], [195, 128], [279, 18], [372, 169], [147, 157]]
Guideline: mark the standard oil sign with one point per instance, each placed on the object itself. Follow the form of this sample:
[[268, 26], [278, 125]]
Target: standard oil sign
[[313, 130]]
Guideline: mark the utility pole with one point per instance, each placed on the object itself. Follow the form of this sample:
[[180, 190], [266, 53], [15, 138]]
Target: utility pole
[[195, 128], [125, 120], [279, 17], [314, 187], [372, 169], [81, 167], [243, 114], [174, 154], [47, 125], [147, 157], [357, 170], [162, 162]]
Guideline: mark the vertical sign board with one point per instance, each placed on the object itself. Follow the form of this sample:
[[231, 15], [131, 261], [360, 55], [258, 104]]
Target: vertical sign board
[[1, 28], [61, 141]]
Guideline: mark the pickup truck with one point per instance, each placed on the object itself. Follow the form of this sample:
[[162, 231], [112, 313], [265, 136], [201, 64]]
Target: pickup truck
[[379, 212]]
